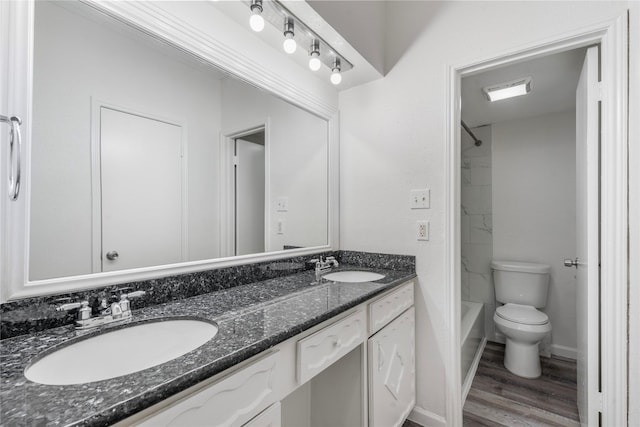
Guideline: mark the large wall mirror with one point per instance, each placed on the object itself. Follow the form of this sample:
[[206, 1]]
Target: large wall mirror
[[145, 155]]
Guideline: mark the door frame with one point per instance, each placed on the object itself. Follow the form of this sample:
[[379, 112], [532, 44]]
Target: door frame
[[96, 177], [227, 182], [612, 37]]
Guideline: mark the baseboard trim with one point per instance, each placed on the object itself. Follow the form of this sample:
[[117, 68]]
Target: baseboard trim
[[426, 418], [564, 351]]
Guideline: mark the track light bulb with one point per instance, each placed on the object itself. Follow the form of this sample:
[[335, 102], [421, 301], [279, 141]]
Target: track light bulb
[[336, 77], [314, 55], [256, 21], [289, 44], [314, 62]]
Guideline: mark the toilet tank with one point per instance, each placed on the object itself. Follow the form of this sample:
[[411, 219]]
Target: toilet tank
[[521, 282]]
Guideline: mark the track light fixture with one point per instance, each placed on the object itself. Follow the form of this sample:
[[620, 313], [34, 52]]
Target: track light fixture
[[297, 32], [336, 77], [289, 43], [314, 55], [256, 21]]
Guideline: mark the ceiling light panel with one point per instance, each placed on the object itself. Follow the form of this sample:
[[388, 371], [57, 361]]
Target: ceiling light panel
[[507, 90]]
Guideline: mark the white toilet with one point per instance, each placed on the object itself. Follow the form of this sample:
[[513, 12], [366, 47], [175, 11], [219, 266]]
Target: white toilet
[[522, 288]]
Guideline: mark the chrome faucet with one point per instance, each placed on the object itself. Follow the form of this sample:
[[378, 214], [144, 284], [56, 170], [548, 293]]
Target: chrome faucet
[[324, 266], [117, 311]]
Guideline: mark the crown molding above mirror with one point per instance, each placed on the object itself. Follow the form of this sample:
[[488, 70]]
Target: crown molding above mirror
[[211, 36]]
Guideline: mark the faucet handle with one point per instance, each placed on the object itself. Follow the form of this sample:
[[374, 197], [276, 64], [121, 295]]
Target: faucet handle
[[135, 294], [69, 306]]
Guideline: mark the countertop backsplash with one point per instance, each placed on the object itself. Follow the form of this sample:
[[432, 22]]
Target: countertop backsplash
[[30, 315]]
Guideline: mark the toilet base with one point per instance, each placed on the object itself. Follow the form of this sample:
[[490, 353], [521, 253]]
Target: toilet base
[[522, 359]]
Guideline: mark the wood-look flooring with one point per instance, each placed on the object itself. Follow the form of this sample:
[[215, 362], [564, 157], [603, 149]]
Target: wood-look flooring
[[500, 398]]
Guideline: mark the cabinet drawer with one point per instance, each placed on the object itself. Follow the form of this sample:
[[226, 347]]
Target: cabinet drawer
[[232, 401], [318, 351], [389, 307]]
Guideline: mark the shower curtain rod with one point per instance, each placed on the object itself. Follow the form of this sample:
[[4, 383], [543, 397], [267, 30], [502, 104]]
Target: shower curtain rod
[[475, 140]]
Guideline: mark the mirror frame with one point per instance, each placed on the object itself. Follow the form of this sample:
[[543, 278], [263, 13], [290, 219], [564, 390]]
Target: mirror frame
[[156, 20]]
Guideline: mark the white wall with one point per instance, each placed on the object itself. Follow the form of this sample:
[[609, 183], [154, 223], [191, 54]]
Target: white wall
[[298, 161], [74, 62], [534, 209], [476, 228], [393, 134]]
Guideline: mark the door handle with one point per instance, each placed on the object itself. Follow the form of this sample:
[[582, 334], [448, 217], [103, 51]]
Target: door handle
[[571, 262], [15, 141], [112, 255]]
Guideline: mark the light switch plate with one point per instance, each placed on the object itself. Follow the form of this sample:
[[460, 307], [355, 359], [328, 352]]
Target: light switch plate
[[420, 199], [282, 204]]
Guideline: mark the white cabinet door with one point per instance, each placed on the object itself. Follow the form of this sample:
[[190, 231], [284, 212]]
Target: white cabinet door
[[392, 386]]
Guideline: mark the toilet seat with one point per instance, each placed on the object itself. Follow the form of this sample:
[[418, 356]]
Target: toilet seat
[[524, 314]]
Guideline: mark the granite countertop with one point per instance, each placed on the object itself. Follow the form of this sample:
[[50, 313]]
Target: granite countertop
[[251, 318]]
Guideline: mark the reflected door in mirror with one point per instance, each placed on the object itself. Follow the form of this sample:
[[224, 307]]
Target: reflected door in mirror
[[141, 187]]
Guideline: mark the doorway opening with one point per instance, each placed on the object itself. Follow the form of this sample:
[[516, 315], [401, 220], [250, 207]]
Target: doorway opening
[[249, 193], [244, 189], [613, 185], [519, 191]]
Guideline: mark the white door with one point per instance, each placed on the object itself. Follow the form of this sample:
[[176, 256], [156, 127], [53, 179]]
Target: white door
[[141, 186], [250, 207], [392, 372], [587, 222]]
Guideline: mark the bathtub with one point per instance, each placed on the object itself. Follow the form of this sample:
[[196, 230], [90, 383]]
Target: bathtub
[[472, 341]]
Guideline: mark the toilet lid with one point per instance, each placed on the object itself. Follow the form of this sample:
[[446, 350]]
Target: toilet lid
[[525, 314]]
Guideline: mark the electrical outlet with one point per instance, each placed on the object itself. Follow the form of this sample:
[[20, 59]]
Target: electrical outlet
[[280, 227], [422, 230], [420, 199]]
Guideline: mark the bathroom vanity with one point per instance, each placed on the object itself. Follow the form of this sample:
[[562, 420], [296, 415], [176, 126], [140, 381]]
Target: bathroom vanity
[[315, 378], [288, 352]]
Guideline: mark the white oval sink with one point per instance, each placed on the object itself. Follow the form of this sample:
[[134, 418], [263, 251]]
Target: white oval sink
[[121, 352], [353, 276]]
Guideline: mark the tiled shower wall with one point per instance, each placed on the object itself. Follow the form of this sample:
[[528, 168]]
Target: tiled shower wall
[[477, 224]]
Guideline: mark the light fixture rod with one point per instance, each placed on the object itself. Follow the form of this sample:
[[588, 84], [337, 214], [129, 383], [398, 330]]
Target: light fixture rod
[[256, 4], [288, 26], [315, 46]]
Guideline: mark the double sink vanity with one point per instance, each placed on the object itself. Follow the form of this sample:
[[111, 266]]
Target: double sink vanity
[[288, 351]]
